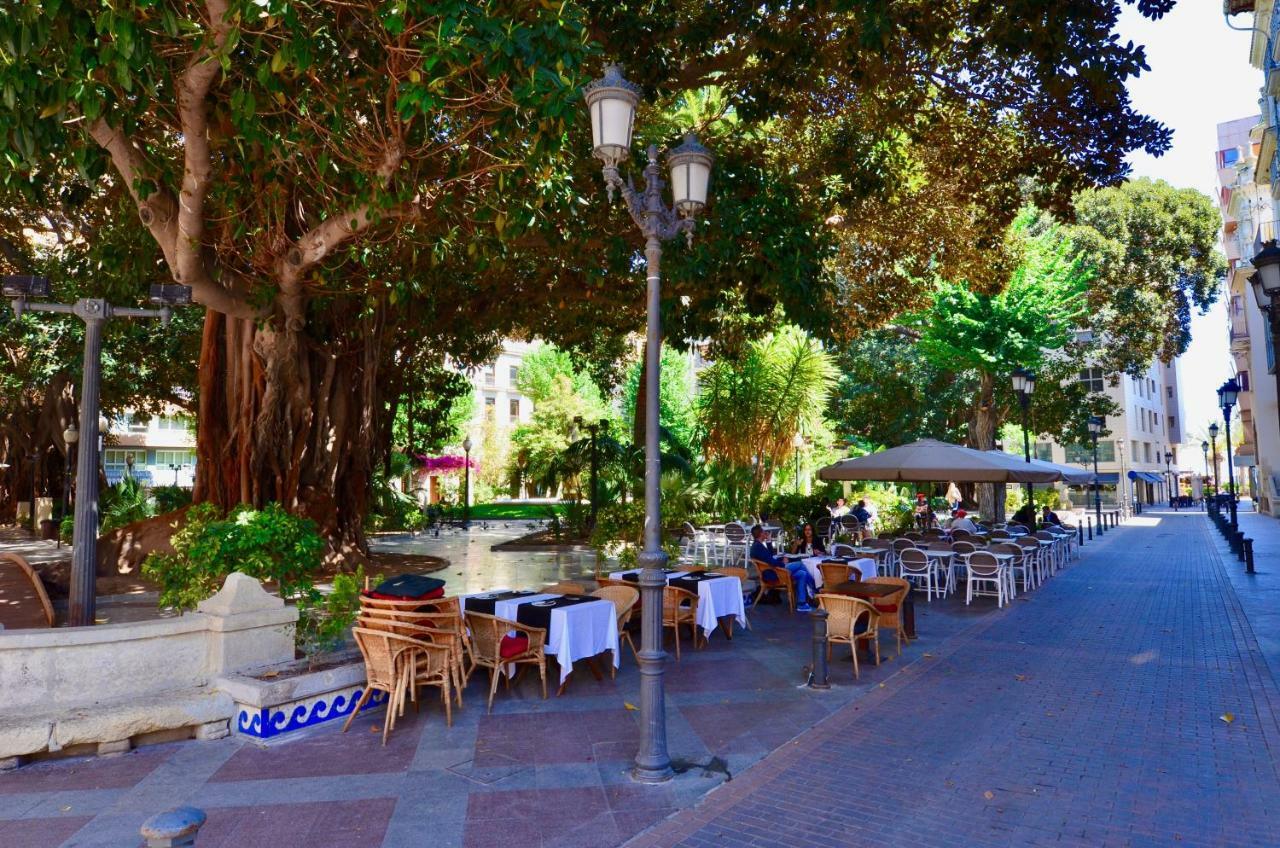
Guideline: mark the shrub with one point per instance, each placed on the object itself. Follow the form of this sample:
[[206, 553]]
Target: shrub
[[268, 543], [323, 625], [170, 498], [124, 503]]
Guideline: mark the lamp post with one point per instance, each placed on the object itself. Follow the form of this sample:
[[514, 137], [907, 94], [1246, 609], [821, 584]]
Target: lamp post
[[1227, 394], [174, 467], [94, 312], [1024, 383], [612, 102], [1213, 439], [1168, 476], [797, 442], [466, 485], [69, 437], [1204, 446], [1096, 423], [35, 490]]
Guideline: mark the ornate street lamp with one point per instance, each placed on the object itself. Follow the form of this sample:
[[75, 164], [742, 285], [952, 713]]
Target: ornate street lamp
[[1227, 394], [1204, 446], [1096, 423], [1168, 476], [466, 485], [1024, 383], [1213, 439], [94, 312], [612, 103], [70, 436]]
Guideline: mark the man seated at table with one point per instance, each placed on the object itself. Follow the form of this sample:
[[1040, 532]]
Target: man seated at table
[[960, 520], [861, 513], [800, 576], [1050, 517]]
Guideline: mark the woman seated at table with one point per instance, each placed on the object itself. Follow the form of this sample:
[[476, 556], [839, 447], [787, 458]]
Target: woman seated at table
[[800, 576], [807, 543]]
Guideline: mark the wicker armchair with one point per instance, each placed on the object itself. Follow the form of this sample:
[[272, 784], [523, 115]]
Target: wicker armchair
[[435, 627], [845, 616], [566, 587], [835, 573], [624, 600], [390, 663], [775, 577], [680, 606], [492, 648], [889, 608]]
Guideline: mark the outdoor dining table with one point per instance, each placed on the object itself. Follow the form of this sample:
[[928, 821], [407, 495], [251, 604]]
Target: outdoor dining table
[[865, 565], [718, 594], [578, 626], [873, 592]]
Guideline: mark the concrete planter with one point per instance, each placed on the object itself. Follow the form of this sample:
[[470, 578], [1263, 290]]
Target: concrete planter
[[293, 699]]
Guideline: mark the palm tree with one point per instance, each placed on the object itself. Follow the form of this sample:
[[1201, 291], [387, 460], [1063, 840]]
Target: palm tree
[[750, 409]]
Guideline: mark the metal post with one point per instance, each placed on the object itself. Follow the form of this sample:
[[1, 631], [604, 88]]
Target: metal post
[[1080, 531], [466, 488], [1025, 400], [595, 494], [819, 674], [82, 605], [1213, 436], [66, 494], [1231, 474], [653, 763], [1097, 484], [174, 828], [1090, 522], [1247, 544], [35, 486]]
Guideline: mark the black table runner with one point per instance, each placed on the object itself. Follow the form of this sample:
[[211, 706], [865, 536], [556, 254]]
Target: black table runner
[[540, 616], [634, 577], [486, 606], [690, 582]]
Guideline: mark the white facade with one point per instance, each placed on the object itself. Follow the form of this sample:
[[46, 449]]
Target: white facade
[[1148, 425], [497, 397], [156, 450], [1245, 148]]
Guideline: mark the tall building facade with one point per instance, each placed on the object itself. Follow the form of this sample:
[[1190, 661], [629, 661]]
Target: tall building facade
[[1131, 457]]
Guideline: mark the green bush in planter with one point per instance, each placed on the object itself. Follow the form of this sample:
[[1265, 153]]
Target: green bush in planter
[[268, 543]]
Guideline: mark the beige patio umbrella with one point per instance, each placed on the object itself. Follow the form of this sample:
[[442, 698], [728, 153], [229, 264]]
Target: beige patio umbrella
[[1067, 473], [928, 461]]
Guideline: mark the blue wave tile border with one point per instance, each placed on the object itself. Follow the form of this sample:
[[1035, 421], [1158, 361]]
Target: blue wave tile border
[[270, 722]]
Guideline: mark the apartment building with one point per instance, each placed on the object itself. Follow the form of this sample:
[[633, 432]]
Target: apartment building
[[1131, 457], [156, 450], [1245, 160]]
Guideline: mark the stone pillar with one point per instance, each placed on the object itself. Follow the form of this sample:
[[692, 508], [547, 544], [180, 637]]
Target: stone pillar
[[248, 627]]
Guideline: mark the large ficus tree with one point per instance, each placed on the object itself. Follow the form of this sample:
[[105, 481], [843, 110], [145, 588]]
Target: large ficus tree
[[344, 182], [266, 146]]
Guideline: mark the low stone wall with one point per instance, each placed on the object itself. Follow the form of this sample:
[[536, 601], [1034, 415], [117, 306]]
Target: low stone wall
[[109, 684]]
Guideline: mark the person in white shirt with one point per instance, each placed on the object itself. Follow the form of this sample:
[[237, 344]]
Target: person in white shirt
[[960, 521], [839, 509]]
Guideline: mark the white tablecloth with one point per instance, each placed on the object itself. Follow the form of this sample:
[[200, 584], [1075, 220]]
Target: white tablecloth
[[866, 566], [718, 597], [575, 633]]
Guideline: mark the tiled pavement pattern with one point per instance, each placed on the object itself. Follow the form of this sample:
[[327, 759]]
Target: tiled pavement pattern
[[1090, 715], [534, 773], [1089, 712]]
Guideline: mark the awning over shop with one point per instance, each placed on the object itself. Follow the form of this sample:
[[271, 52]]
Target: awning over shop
[[1145, 475]]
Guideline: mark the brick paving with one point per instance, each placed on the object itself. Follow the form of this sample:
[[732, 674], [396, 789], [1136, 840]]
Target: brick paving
[[1088, 711], [1089, 715]]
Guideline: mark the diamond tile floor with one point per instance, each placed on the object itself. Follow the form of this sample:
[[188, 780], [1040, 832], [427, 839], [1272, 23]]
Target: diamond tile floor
[[1089, 712]]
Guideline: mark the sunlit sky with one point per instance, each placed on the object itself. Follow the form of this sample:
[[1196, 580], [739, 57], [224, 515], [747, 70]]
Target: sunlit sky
[[1200, 76]]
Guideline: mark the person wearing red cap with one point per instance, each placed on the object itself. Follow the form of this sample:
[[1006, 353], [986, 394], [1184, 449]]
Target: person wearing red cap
[[960, 521]]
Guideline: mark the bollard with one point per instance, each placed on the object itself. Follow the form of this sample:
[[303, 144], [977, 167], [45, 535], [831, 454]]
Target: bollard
[[1089, 520], [1247, 545], [818, 674], [1080, 531], [173, 828], [1237, 544]]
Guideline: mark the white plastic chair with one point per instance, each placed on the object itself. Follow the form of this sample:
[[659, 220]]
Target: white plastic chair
[[985, 570], [914, 565]]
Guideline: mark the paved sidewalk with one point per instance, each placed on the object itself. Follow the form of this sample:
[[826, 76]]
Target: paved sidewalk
[[1092, 715]]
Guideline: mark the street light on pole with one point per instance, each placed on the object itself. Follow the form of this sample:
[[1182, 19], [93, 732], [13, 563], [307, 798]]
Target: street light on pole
[[1227, 394], [70, 436], [35, 485], [1204, 446], [466, 486], [1096, 423], [1168, 476], [94, 312], [1213, 439], [1024, 383], [612, 103]]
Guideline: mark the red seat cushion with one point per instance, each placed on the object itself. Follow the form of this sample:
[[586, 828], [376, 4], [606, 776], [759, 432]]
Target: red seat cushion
[[433, 594], [886, 607], [513, 646]]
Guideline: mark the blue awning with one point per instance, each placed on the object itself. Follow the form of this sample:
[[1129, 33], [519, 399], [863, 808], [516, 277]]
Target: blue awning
[[1105, 478], [1145, 475]]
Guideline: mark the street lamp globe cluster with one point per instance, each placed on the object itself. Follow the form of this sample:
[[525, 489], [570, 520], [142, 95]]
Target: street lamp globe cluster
[[1024, 384], [611, 102], [1096, 424], [1228, 392]]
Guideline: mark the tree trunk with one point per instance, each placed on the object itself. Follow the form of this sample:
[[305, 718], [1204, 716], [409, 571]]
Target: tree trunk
[[287, 418], [983, 424]]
